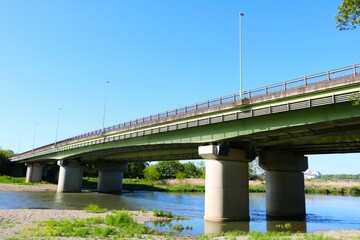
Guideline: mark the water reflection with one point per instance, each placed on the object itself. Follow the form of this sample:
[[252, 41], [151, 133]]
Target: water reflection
[[283, 225], [290, 224], [216, 227]]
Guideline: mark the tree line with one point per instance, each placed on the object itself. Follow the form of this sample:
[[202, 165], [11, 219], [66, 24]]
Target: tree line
[[159, 171]]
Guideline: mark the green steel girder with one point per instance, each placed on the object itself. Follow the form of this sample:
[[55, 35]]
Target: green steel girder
[[320, 123]]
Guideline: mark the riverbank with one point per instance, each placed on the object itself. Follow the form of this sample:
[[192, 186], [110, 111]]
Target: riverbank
[[79, 224], [41, 187], [314, 186], [25, 223]]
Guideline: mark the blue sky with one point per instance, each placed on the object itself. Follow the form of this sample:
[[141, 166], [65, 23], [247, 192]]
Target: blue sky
[[157, 55]]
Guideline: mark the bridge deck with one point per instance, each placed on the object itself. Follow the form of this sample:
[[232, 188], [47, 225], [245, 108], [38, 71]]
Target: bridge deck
[[328, 89]]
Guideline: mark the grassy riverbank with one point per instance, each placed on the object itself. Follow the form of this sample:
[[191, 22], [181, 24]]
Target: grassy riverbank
[[314, 186], [170, 185], [13, 180], [332, 187]]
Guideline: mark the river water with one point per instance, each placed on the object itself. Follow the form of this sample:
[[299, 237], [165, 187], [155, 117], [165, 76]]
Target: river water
[[323, 212]]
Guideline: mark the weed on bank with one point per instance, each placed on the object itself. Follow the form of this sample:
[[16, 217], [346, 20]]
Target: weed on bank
[[116, 225]]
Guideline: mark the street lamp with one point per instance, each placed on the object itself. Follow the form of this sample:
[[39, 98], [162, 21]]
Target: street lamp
[[240, 50], [106, 91], [34, 136], [57, 126], [20, 141]]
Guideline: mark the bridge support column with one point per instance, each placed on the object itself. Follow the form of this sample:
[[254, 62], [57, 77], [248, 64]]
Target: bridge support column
[[226, 184], [110, 176], [285, 195], [70, 176], [34, 172]]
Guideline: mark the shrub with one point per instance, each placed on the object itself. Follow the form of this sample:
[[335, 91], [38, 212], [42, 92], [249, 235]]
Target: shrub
[[119, 219], [151, 173], [93, 208]]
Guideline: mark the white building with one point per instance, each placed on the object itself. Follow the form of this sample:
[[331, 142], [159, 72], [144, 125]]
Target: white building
[[312, 174]]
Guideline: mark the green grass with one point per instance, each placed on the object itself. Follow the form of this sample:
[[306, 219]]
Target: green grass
[[145, 185], [93, 208], [115, 225], [161, 213], [90, 183], [13, 180], [352, 191], [257, 188], [184, 188]]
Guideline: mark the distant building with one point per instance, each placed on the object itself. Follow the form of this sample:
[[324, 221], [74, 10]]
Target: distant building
[[312, 174]]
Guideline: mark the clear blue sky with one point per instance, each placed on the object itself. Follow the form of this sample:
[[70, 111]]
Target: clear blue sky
[[157, 55]]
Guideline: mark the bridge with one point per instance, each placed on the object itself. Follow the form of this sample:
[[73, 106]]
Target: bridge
[[279, 123]]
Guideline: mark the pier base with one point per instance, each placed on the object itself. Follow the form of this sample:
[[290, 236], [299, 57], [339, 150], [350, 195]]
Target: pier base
[[285, 194], [226, 184], [34, 172], [70, 176], [110, 176]]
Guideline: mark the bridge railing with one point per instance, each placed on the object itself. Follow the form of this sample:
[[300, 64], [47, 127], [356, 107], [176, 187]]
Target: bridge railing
[[269, 89], [304, 81]]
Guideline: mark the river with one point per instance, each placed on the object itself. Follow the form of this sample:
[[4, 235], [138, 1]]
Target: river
[[323, 212]]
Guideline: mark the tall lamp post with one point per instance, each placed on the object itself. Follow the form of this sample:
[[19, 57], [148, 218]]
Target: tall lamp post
[[34, 136], [57, 126], [106, 92], [20, 141], [240, 50]]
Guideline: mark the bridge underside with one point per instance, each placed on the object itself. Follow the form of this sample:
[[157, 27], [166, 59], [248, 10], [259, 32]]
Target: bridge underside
[[342, 136], [339, 136], [143, 153]]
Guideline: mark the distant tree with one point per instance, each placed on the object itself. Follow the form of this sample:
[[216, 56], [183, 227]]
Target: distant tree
[[191, 170], [4, 159], [152, 173], [135, 170], [174, 169], [169, 169], [90, 170], [5, 154], [202, 168], [348, 16], [347, 177]]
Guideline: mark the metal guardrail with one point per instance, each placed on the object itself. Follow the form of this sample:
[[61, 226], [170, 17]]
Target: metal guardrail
[[269, 89], [285, 107]]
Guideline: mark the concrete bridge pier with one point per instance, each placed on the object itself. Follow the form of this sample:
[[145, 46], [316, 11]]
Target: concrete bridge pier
[[110, 176], [285, 194], [226, 184], [70, 176], [34, 172]]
